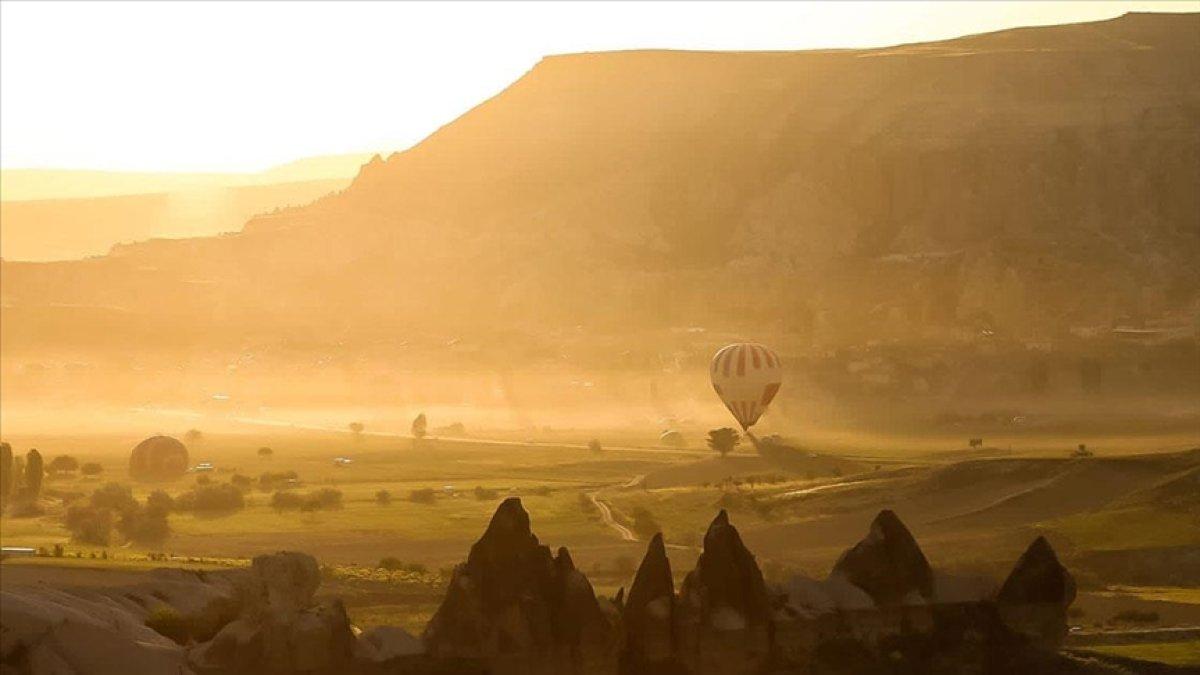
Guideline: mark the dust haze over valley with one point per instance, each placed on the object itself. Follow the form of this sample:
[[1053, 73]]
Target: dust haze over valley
[[959, 228], [978, 260]]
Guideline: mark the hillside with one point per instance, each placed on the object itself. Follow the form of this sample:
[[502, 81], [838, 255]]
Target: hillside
[[61, 215], [1023, 184]]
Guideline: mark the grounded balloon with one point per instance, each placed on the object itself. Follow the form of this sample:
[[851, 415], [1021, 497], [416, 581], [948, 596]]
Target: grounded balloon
[[746, 376]]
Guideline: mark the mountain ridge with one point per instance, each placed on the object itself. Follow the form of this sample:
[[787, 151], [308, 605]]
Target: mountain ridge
[[836, 193]]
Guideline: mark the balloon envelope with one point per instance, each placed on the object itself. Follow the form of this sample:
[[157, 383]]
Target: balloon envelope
[[746, 376]]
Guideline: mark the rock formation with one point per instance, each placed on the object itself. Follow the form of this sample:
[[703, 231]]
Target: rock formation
[[723, 617], [648, 615], [281, 628], [888, 564], [1034, 598], [158, 458], [512, 607], [518, 609]]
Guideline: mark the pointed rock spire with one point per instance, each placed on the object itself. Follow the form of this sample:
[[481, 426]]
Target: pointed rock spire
[[1038, 577], [649, 612], [513, 600], [887, 564], [728, 574]]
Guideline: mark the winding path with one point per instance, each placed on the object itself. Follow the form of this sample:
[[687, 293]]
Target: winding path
[[607, 517]]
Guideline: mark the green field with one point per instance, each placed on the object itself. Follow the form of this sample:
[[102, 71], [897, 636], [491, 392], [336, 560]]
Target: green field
[[1171, 653], [797, 516]]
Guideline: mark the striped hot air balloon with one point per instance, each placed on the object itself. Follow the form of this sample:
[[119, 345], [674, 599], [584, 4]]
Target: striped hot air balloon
[[746, 376]]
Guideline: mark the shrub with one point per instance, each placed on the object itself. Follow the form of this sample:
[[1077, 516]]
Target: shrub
[[284, 501], [114, 496], [485, 494], [323, 499], [383, 497], [89, 524], [422, 496], [160, 501], [167, 622], [326, 499], [269, 481], [214, 497], [585, 503], [91, 469], [539, 491], [594, 446], [63, 464], [243, 483], [644, 525], [393, 564], [144, 526], [203, 479]]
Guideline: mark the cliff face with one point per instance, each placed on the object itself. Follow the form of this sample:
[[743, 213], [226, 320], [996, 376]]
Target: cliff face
[[900, 192]]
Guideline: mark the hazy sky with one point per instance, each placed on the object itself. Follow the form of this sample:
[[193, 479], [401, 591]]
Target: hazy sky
[[237, 87]]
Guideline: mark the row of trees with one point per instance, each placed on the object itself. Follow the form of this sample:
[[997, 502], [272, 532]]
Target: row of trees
[[20, 478]]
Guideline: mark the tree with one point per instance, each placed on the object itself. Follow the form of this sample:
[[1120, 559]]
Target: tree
[[383, 497], [724, 440], [356, 428], [265, 453], [91, 469], [644, 524], [7, 479], [420, 427], [34, 472], [594, 446], [63, 464], [193, 436]]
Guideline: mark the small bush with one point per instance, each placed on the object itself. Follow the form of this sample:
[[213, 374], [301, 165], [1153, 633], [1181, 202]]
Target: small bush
[[144, 526], [422, 496], [595, 447], [160, 501], [167, 622], [644, 525], [269, 481], [325, 499], [243, 483], [63, 464], [539, 491], [285, 501], [383, 497], [89, 524], [91, 469], [322, 500], [211, 498], [485, 494], [114, 496], [393, 564], [585, 503]]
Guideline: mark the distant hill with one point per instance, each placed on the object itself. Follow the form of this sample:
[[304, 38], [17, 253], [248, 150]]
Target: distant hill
[[52, 214], [1022, 183]]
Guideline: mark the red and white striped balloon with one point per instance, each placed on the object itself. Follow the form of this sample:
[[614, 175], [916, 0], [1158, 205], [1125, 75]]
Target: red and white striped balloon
[[746, 376]]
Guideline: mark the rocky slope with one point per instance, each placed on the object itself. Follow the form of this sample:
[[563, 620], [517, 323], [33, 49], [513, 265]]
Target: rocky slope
[[906, 192]]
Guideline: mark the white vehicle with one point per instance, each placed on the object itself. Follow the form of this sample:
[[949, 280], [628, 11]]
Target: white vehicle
[[203, 467]]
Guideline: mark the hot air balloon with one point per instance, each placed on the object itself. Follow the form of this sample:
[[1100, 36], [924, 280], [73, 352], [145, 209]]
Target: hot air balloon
[[746, 376]]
